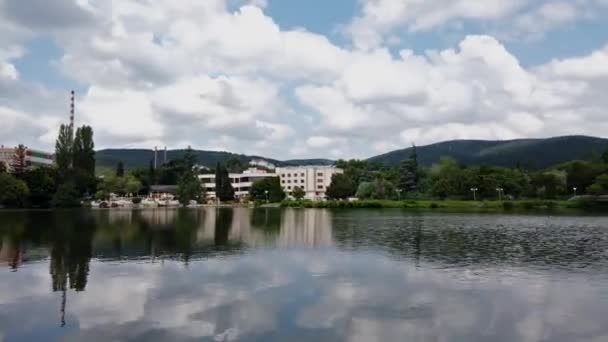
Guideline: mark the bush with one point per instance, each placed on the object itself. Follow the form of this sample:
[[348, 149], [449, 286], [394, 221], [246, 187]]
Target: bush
[[434, 205], [508, 205], [66, 196], [13, 192], [136, 200]]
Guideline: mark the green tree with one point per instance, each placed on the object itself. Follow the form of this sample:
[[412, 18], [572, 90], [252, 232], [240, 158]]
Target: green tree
[[549, 184], [67, 196], [298, 193], [272, 185], [223, 185], [447, 179], [605, 157], [84, 151], [63, 150], [189, 159], [120, 169], [18, 162], [341, 187], [14, 192], [235, 165], [190, 189], [600, 186], [131, 185], [42, 185], [408, 180], [383, 189], [365, 190]]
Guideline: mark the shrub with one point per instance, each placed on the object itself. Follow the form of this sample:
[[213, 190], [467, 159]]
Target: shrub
[[434, 205], [66, 196]]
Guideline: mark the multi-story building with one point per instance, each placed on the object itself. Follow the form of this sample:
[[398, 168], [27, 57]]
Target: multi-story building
[[241, 182], [33, 158], [314, 180]]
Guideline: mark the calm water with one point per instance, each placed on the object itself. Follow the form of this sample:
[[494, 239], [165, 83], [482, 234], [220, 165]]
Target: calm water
[[301, 275]]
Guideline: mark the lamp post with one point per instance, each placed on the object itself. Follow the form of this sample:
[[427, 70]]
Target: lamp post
[[399, 194], [267, 199], [500, 191], [575, 189], [474, 191]]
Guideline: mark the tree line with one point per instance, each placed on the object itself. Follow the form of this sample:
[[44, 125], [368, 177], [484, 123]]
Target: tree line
[[450, 180], [63, 185]]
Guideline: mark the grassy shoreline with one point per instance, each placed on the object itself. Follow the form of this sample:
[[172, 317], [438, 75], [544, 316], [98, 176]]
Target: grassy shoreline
[[520, 205]]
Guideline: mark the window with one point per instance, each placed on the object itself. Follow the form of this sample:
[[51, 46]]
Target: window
[[302, 181], [283, 181], [302, 174], [320, 174], [289, 175], [319, 181], [288, 188], [320, 187], [289, 181]]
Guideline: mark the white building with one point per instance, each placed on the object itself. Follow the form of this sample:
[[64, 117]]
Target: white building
[[33, 158], [314, 180], [241, 182]]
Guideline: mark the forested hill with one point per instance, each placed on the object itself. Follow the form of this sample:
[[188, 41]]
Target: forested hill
[[528, 153], [133, 158]]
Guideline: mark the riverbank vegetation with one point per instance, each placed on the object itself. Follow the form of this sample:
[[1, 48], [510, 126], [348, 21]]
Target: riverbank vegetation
[[449, 181]]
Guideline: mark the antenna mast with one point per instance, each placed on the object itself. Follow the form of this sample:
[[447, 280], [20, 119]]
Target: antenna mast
[[72, 114]]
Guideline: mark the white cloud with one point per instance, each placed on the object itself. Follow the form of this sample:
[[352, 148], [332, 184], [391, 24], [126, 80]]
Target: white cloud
[[220, 75]]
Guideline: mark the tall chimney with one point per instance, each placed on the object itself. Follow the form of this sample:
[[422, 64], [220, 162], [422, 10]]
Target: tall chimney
[[72, 109]]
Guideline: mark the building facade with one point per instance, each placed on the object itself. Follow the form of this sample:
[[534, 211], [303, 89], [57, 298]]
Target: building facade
[[241, 182], [314, 180], [33, 158]]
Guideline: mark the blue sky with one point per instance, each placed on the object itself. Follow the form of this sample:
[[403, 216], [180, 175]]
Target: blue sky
[[293, 79]]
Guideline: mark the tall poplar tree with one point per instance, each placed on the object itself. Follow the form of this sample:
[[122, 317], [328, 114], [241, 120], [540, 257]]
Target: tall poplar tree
[[64, 150], [223, 187]]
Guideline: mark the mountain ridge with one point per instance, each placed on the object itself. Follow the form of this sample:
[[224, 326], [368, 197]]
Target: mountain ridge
[[533, 153]]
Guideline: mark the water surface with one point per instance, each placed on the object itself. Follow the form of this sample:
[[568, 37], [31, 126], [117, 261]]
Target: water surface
[[301, 275]]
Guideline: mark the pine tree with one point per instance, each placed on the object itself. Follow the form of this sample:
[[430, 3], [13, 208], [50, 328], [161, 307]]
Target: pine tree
[[63, 150], [120, 169], [151, 173], [408, 179], [223, 186]]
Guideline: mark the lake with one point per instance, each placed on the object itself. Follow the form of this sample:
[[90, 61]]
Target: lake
[[301, 275]]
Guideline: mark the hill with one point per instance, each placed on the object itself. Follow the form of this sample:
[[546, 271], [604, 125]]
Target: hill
[[133, 158], [529, 153]]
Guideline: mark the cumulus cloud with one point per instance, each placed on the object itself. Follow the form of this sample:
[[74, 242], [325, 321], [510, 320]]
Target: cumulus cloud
[[223, 74]]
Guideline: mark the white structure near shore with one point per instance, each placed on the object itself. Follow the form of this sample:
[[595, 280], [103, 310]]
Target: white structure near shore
[[241, 182], [314, 180]]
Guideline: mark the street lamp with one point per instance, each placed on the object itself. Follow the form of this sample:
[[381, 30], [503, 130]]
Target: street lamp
[[474, 191], [399, 194], [500, 191], [575, 189], [267, 199]]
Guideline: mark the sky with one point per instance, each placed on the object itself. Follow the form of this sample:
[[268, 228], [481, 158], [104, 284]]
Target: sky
[[302, 78]]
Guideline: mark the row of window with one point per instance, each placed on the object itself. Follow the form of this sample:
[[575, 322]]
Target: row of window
[[319, 174], [319, 187]]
